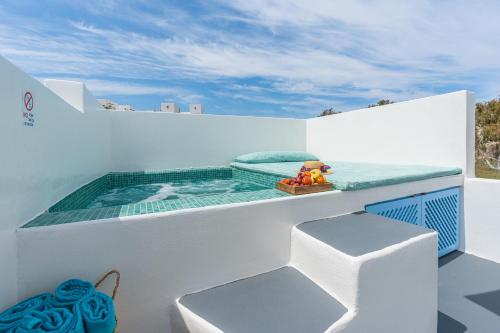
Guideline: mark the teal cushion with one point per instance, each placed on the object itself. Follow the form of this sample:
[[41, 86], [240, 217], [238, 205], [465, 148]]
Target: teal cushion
[[276, 157], [350, 176]]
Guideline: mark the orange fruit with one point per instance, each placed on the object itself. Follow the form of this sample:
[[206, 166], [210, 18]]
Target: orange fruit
[[307, 180], [286, 181], [320, 180]]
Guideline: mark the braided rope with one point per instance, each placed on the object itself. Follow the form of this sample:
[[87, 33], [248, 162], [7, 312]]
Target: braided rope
[[117, 281], [115, 288]]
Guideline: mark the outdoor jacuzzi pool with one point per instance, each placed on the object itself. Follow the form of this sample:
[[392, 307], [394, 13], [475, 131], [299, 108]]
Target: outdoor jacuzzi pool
[[120, 194], [180, 189]]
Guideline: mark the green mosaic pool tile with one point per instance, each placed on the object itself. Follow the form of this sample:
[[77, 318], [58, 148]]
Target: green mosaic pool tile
[[77, 215], [119, 179], [256, 177], [83, 196], [123, 210], [197, 202], [150, 207], [176, 204], [65, 212], [92, 214], [161, 206]]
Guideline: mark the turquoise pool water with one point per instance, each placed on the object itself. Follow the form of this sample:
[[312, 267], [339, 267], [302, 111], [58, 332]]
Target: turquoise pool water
[[120, 194], [182, 189]]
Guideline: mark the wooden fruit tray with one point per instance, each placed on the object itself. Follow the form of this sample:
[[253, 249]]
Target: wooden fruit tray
[[297, 190]]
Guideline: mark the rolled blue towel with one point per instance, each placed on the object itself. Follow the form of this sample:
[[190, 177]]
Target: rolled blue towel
[[54, 320], [12, 316], [72, 291], [77, 321], [98, 313]]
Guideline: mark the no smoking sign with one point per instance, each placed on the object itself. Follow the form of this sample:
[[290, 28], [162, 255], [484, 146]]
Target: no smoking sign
[[27, 109], [28, 101]]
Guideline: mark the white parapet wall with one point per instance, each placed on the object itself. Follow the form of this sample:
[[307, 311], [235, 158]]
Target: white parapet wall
[[437, 130], [482, 218], [160, 140], [56, 137], [167, 255], [49, 148]]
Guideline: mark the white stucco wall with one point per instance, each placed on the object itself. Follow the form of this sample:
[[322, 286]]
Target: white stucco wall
[[375, 286], [41, 164], [160, 140], [69, 145], [482, 218], [165, 256], [76, 94], [437, 130]]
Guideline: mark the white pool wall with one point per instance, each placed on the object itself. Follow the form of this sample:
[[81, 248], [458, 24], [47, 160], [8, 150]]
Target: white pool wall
[[165, 256], [437, 130]]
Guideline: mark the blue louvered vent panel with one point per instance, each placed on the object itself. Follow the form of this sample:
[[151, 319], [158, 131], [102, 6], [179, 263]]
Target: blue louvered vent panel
[[406, 210], [441, 212]]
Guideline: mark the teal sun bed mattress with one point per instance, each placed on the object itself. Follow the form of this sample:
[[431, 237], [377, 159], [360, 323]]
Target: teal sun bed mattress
[[351, 176]]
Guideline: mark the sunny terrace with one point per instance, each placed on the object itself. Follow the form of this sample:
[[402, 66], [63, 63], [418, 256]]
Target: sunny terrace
[[205, 242]]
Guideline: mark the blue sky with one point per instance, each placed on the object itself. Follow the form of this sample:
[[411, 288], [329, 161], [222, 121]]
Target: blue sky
[[259, 57]]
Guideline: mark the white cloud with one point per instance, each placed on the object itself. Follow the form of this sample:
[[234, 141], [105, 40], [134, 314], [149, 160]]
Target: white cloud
[[316, 50], [113, 88], [106, 88], [102, 87]]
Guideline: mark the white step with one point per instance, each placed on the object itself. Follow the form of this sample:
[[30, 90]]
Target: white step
[[384, 271], [282, 300]]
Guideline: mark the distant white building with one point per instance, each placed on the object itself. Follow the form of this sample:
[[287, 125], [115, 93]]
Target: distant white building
[[195, 108], [124, 107], [107, 104], [169, 107], [111, 105]]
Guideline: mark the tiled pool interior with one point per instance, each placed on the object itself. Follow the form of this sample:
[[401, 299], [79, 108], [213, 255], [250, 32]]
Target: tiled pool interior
[[95, 200]]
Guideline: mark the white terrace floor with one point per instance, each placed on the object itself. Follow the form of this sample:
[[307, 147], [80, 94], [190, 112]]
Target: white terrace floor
[[469, 294]]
